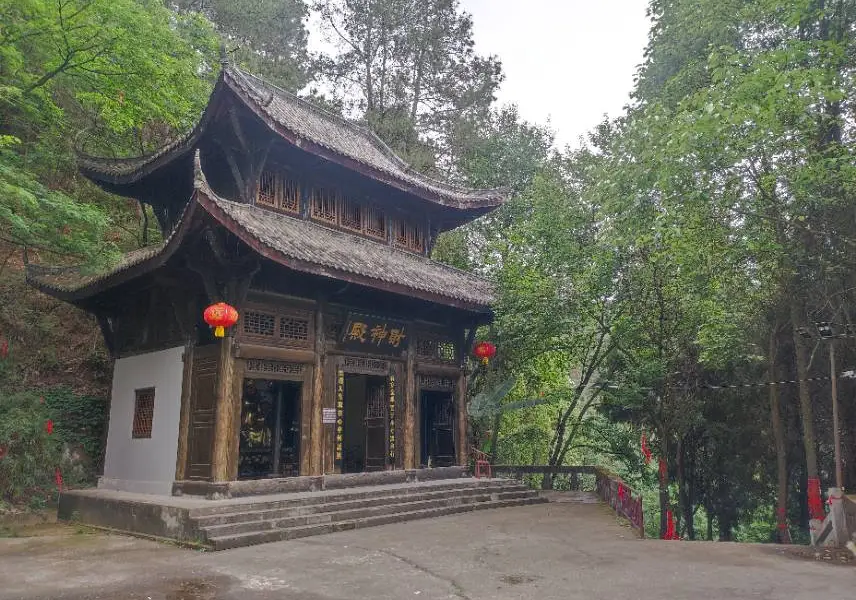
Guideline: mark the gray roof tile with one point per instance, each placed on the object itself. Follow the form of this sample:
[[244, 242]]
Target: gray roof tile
[[339, 136]]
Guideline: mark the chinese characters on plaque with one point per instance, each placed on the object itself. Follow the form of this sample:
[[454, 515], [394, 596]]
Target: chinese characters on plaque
[[366, 333]]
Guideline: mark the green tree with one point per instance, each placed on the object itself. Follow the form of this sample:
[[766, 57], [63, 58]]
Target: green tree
[[409, 69], [267, 37]]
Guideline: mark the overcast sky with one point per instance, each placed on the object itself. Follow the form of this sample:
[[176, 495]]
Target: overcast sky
[[566, 62], [569, 61]]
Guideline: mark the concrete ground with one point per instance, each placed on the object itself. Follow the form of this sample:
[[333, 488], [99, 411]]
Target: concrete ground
[[546, 551]]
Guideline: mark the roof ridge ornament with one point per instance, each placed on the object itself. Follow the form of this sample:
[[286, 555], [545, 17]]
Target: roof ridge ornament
[[199, 179]]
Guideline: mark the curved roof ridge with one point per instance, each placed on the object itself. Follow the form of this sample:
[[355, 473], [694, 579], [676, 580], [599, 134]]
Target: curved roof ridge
[[308, 126], [389, 152]]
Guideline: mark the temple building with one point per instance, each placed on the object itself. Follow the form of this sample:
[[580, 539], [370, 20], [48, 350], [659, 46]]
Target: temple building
[[348, 355]]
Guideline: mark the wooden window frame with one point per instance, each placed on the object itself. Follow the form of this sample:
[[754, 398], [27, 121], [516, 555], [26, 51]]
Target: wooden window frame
[[439, 345], [285, 195], [332, 208], [144, 413], [324, 205], [279, 316], [408, 235]]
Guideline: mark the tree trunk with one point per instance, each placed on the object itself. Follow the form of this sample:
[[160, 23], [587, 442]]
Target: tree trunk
[[664, 485], [681, 519], [783, 535], [689, 485], [806, 412]]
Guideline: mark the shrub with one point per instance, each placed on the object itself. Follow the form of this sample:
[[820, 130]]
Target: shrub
[[30, 453]]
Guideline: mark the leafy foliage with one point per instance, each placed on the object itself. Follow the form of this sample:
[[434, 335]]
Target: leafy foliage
[[409, 68], [30, 453]]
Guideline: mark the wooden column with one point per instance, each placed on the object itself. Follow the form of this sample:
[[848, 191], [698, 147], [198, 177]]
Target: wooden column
[[225, 446], [306, 395], [238, 368], [461, 403], [408, 444], [184, 415], [316, 438]]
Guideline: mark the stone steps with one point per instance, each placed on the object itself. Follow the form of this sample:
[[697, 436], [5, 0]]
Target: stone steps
[[317, 514], [339, 495], [286, 508]]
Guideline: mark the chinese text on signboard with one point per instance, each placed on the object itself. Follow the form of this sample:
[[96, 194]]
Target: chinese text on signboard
[[374, 334]]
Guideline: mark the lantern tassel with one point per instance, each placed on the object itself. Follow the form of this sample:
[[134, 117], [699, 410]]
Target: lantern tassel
[[219, 331], [485, 360]]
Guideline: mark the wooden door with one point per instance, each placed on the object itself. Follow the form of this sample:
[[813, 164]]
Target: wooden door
[[442, 432], [203, 401], [376, 422]]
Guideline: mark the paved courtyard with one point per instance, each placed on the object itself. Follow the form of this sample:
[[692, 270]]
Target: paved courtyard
[[561, 551]]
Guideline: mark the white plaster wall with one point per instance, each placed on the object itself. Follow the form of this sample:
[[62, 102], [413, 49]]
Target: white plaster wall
[[144, 465]]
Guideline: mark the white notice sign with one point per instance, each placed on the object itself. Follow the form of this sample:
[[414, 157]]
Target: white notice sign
[[328, 416]]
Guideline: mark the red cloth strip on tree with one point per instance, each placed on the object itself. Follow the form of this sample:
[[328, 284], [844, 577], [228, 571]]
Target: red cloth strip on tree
[[646, 451], [670, 527], [815, 502]]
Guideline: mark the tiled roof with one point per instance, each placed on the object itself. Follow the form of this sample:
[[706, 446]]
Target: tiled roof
[[72, 281], [298, 244], [337, 253], [314, 129]]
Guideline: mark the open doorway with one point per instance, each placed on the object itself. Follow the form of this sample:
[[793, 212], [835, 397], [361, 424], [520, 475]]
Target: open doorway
[[366, 424], [437, 429], [270, 429]]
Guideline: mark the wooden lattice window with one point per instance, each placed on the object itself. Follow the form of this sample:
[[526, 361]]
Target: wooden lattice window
[[259, 323], [426, 348], [267, 191], [291, 328], [409, 236], [278, 326], [375, 222], [376, 403], [433, 348], [351, 215], [446, 351], [278, 192], [144, 410], [323, 205]]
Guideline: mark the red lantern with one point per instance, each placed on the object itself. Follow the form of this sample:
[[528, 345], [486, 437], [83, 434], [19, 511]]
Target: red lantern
[[219, 316], [485, 351]]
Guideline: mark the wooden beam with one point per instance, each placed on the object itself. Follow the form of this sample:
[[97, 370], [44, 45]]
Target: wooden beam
[[275, 353], [316, 437], [236, 171], [184, 414], [238, 130], [409, 404], [224, 424], [207, 275]]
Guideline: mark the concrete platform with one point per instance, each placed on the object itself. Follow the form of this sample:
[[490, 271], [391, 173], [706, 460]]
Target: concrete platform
[[556, 551], [240, 521]]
